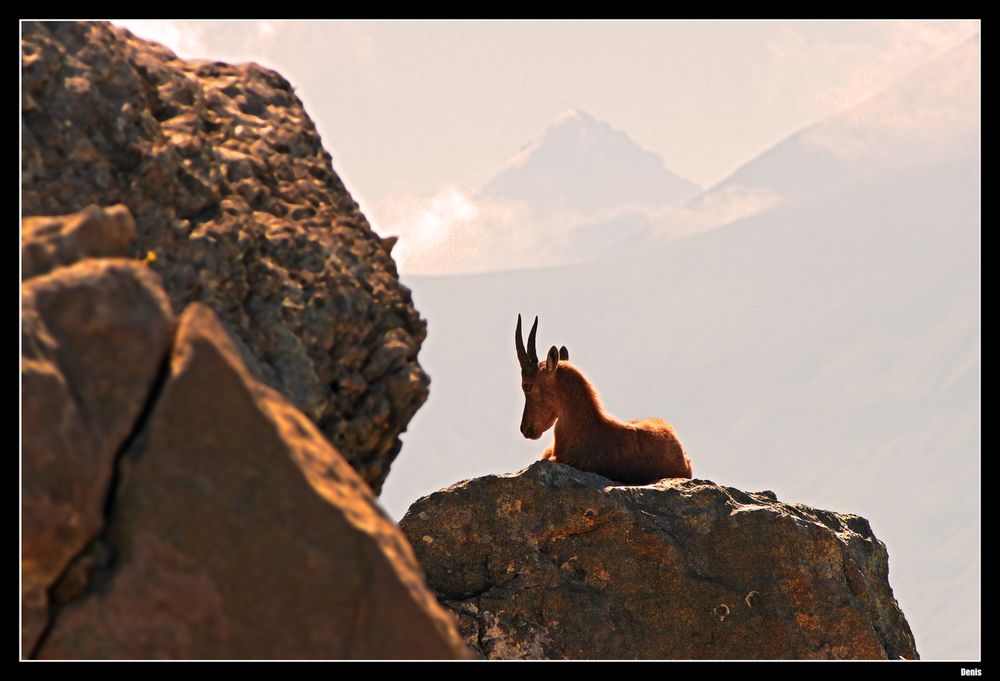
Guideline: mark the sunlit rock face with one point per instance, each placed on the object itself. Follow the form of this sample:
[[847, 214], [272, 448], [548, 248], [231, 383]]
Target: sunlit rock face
[[236, 205], [93, 338], [224, 527], [552, 562]]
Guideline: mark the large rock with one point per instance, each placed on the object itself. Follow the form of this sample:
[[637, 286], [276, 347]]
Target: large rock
[[94, 232], [94, 337], [236, 199], [237, 531], [552, 562]]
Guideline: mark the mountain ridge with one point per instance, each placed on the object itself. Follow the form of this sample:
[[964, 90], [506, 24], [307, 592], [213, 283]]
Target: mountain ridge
[[578, 149], [812, 151]]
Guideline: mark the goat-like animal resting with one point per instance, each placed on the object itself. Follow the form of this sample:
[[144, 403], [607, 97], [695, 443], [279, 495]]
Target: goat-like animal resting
[[586, 436]]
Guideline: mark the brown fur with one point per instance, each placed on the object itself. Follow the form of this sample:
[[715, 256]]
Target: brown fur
[[587, 437]]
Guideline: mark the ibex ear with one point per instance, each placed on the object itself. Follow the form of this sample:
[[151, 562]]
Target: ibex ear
[[552, 360], [563, 353]]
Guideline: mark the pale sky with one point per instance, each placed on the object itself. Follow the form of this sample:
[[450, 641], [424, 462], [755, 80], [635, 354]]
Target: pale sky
[[409, 107], [418, 115]]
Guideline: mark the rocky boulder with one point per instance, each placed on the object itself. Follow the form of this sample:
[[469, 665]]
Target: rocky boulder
[[94, 232], [93, 338], [234, 530], [552, 562], [236, 204]]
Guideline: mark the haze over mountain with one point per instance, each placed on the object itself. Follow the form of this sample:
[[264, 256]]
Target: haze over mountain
[[582, 164], [828, 350], [579, 189], [827, 347], [584, 189], [932, 114]]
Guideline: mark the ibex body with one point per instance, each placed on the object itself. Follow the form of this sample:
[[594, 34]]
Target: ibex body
[[586, 436]]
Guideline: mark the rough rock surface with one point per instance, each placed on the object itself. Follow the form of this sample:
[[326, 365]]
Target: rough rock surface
[[94, 232], [93, 337], [552, 562], [236, 531], [235, 197]]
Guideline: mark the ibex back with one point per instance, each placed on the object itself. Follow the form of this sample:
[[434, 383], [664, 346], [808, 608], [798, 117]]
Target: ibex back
[[586, 436]]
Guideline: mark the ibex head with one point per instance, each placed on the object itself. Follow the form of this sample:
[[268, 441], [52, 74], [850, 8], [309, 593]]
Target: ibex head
[[538, 383]]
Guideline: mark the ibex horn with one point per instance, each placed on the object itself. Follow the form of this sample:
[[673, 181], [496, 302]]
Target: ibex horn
[[529, 359], [522, 356], [532, 353]]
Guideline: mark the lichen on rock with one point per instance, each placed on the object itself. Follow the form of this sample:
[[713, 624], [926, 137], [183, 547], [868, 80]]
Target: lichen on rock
[[553, 562]]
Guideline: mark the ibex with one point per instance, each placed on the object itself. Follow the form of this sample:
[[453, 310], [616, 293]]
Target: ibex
[[586, 436]]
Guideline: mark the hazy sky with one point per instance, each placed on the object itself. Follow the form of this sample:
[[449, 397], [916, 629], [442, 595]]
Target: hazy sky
[[408, 107], [872, 284]]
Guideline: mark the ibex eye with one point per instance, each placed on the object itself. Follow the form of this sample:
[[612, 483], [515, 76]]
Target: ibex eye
[[527, 387]]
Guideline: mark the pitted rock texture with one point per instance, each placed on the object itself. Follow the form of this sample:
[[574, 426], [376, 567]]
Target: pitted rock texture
[[234, 531], [236, 205], [93, 337], [552, 562]]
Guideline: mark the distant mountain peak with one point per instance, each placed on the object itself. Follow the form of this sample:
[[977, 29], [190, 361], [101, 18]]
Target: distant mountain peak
[[572, 115], [579, 120], [585, 164], [570, 121]]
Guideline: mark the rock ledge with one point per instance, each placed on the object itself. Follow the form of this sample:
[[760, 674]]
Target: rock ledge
[[552, 562]]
